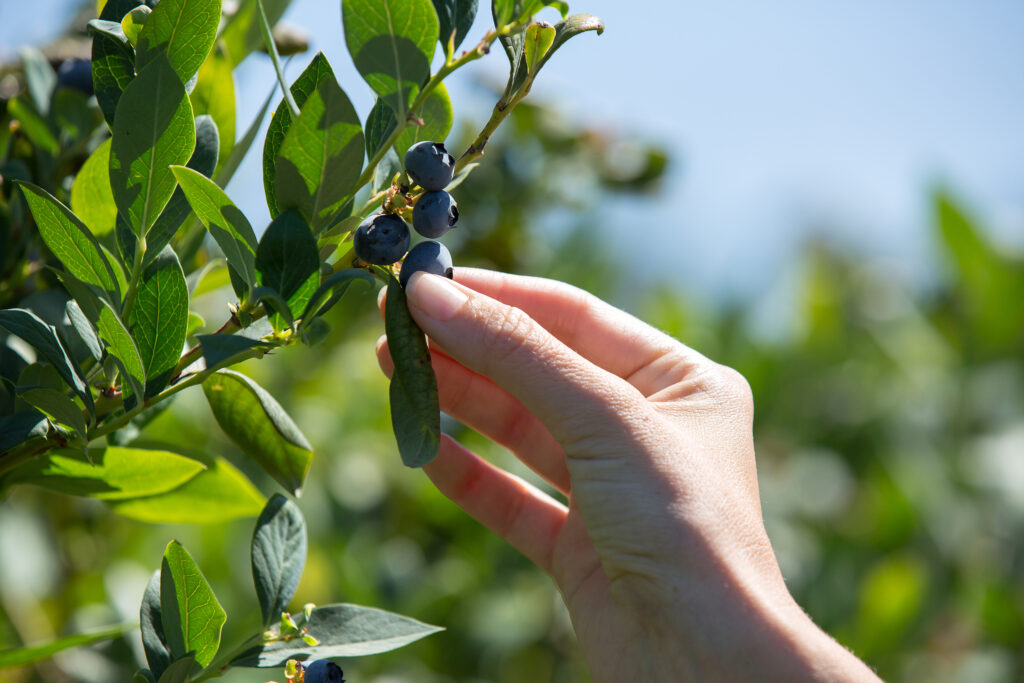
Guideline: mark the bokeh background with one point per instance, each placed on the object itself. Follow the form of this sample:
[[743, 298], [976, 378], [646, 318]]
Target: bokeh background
[[826, 197]]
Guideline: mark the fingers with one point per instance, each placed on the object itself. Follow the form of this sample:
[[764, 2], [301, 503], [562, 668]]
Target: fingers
[[477, 402], [575, 399], [526, 518]]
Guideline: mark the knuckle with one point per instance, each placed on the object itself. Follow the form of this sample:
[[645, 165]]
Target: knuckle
[[508, 331], [735, 387]]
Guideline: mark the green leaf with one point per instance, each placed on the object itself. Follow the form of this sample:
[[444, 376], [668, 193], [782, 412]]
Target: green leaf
[[158, 655], [84, 329], [69, 240], [21, 426], [219, 494], [288, 262], [23, 656], [537, 42], [321, 156], [220, 350], [278, 556], [454, 15], [180, 671], [122, 347], [153, 129], [112, 473], [32, 125], [230, 165], [214, 95], [260, 427], [159, 319], [437, 117], [134, 21], [274, 304], [190, 613], [569, 28], [415, 410], [183, 31], [113, 65], [391, 43], [39, 77], [228, 226], [335, 285], [56, 406], [305, 85], [91, 197], [342, 630], [243, 33], [380, 124], [72, 115], [43, 337]]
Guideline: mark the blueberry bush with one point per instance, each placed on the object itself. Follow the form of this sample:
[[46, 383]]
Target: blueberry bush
[[114, 218]]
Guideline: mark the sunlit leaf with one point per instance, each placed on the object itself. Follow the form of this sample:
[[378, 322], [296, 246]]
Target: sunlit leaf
[[34, 653], [122, 347], [214, 95], [113, 65], [182, 31], [92, 200], [192, 617], [159, 319]]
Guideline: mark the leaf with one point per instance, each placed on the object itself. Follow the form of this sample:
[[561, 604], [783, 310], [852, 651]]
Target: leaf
[[21, 426], [287, 261], [380, 124], [278, 556], [56, 406], [221, 349], [274, 305], [214, 95], [134, 21], [415, 410], [153, 129], [227, 170], [180, 671], [183, 31], [32, 125], [43, 337], [39, 77], [243, 33], [570, 27], [92, 200], [537, 42], [388, 167], [391, 43], [84, 329], [219, 494], [113, 65], [336, 285], [158, 655], [159, 319], [306, 84], [122, 347], [69, 240], [321, 156], [191, 616], [437, 117], [228, 226], [34, 653], [342, 630], [260, 427], [457, 16]]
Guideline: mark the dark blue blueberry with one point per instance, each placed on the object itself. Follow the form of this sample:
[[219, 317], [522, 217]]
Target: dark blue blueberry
[[430, 165], [381, 239], [324, 671], [430, 257], [76, 74], [435, 214]]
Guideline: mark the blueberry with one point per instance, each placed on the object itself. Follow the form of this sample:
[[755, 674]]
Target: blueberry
[[324, 671], [430, 257], [430, 165], [435, 214], [76, 74], [381, 239]]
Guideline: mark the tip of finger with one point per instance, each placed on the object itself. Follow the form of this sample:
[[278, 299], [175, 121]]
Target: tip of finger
[[384, 355], [382, 296]]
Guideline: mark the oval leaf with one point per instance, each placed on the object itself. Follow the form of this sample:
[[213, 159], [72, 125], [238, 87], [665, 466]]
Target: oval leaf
[[159, 319], [415, 410], [35, 653], [158, 655], [288, 262], [278, 556], [259, 426], [191, 616], [153, 129], [113, 65], [454, 16], [214, 95], [91, 197], [56, 406], [343, 631], [436, 114], [43, 338], [182, 31], [122, 347], [391, 43]]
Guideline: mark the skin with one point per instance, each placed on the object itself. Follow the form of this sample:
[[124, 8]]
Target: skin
[[661, 554]]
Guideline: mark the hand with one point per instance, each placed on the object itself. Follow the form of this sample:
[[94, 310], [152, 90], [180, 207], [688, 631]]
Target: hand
[[661, 555]]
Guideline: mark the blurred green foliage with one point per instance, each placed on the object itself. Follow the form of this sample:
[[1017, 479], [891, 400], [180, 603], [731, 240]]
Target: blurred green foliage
[[889, 428]]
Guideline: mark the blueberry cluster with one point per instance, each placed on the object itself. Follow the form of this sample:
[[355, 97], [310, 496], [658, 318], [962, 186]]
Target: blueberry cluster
[[323, 671], [384, 238]]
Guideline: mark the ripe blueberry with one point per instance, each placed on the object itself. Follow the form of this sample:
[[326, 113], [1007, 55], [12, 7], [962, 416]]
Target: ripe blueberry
[[324, 671], [76, 74], [435, 214], [381, 239], [430, 257], [430, 165]]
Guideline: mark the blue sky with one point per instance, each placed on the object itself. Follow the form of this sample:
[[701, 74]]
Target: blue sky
[[784, 119]]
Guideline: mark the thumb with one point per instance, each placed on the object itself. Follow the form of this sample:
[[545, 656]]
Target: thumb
[[574, 398]]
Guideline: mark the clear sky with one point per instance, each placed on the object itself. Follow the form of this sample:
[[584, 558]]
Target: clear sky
[[784, 119]]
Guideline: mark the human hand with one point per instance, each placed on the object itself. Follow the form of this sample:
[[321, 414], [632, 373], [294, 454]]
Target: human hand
[[661, 554]]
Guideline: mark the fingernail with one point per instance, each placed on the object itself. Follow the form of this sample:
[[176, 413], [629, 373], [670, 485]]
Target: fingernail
[[381, 295], [435, 296], [382, 341]]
